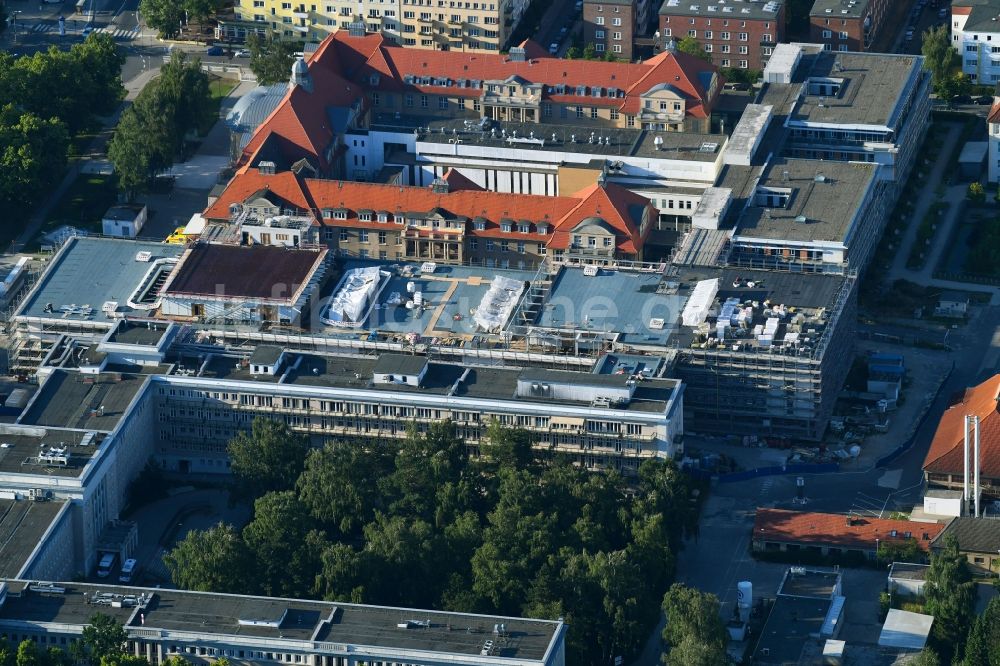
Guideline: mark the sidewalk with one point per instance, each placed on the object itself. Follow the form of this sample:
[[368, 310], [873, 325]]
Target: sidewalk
[[953, 197]]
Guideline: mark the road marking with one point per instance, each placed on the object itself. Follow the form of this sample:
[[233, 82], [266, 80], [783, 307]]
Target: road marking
[[41, 27]]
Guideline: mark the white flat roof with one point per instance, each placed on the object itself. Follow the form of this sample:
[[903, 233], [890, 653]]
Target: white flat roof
[[905, 630]]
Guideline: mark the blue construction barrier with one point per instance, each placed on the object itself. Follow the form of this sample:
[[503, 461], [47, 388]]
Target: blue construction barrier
[[795, 468]]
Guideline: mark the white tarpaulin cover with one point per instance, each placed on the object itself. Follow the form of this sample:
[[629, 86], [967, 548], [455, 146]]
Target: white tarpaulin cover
[[498, 302], [353, 296], [700, 302]]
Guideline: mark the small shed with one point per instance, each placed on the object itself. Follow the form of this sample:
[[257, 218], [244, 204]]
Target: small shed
[[124, 220], [907, 579], [941, 502], [972, 159], [904, 630], [952, 304]]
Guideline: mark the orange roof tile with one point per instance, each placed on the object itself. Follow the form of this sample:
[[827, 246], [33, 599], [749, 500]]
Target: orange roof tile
[[994, 116], [945, 453], [619, 208], [832, 529]]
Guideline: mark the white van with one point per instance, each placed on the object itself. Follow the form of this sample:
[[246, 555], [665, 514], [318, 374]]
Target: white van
[[128, 570], [106, 565]]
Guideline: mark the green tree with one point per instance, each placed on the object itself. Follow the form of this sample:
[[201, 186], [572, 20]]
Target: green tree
[[951, 597], [508, 447], [199, 10], [983, 645], [28, 654], [693, 615], [938, 53], [8, 655], [271, 59], [32, 154], [589, 52], [572, 53], [336, 484], [926, 657], [902, 550], [692, 652], [213, 560], [269, 457], [140, 148], [103, 637], [185, 93], [101, 63], [163, 15], [976, 193], [284, 545], [693, 47], [341, 577]]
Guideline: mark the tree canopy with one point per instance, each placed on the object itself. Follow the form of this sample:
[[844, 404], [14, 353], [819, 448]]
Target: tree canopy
[[151, 132], [692, 46], [938, 54], [103, 638], [166, 16], [951, 598], [420, 523], [694, 628], [983, 645], [44, 99], [271, 58]]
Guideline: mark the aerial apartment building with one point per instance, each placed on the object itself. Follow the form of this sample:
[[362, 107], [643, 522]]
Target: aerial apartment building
[[610, 26], [473, 27], [976, 36], [737, 33], [848, 25]]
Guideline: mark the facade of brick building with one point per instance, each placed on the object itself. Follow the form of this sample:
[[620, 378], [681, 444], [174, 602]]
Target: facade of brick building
[[848, 25], [610, 25], [736, 34]]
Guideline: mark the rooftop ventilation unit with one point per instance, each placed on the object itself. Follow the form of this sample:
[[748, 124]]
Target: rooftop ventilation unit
[[143, 256]]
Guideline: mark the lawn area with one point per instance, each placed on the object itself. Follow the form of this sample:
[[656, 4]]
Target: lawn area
[[85, 203], [219, 88]]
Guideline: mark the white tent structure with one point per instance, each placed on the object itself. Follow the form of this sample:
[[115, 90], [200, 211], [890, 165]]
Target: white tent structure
[[354, 297], [498, 303], [700, 302]]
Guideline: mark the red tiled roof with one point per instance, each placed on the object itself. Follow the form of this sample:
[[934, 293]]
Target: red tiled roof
[[619, 208], [994, 116], [342, 68], [945, 453], [832, 529], [392, 63], [961, 10]]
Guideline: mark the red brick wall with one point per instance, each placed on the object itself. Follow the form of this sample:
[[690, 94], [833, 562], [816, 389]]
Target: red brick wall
[[593, 10], [879, 10], [755, 29]]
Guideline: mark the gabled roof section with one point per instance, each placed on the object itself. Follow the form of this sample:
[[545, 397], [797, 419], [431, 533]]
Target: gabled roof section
[[362, 56], [947, 447], [994, 116], [619, 208], [280, 188]]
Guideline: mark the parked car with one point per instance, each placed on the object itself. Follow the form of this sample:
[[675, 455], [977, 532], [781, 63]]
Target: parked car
[[242, 53], [553, 48], [961, 99], [563, 31], [578, 6], [87, 29], [984, 100], [214, 51]]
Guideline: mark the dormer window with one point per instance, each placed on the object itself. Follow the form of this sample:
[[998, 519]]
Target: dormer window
[[399, 218], [479, 224], [365, 216], [543, 228], [505, 226], [524, 228], [373, 79], [327, 213], [383, 217], [340, 214]]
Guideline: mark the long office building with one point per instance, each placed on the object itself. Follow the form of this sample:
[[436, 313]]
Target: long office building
[[202, 627]]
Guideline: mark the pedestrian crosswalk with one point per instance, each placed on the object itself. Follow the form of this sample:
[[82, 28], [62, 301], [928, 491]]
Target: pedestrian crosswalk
[[121, 33], [113, 30]]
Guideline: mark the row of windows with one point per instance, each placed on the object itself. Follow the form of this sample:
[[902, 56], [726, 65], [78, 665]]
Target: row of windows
[[827, 34], [599, 34], [725, 22], [600, 21]]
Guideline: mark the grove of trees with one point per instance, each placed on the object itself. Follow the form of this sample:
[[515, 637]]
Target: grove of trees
[[45, 99], [951, 599], [421, 523], [151, 132]]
